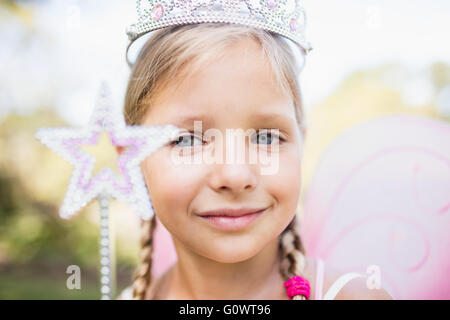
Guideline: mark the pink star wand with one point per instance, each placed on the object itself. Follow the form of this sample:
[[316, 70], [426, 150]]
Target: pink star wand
[[139, 143]]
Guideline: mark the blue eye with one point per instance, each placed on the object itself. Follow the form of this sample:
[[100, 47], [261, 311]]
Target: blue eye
[[265, 136], [186, 140]]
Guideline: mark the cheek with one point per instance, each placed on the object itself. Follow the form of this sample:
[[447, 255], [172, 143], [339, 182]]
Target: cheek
[[285, 184], [172, 187]]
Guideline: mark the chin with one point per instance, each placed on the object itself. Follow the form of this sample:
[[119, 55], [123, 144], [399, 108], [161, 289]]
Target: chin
[[232, 250], [231, 256]]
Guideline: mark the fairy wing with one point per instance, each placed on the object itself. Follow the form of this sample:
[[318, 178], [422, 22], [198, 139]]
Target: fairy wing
[[164, 254], [379, 201]]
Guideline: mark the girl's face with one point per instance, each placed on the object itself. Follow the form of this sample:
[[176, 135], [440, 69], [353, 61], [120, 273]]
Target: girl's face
[[234, 92]]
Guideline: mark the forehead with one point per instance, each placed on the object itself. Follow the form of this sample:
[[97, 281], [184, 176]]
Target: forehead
[[238, 84]]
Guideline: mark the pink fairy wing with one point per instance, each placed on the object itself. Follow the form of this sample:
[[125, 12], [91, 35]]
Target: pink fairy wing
[[164, 254], [381, 196]]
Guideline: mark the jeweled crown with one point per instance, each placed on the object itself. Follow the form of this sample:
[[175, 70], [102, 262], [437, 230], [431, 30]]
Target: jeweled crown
[[284, 17]]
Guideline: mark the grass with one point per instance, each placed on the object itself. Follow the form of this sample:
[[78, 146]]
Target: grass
[[14, 286], [34, 283]]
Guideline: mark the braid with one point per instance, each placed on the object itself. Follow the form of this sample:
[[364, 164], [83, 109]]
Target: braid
[[143, 274], [292, 254]]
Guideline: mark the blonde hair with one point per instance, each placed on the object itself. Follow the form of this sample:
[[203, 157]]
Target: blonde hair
[[161, 60]]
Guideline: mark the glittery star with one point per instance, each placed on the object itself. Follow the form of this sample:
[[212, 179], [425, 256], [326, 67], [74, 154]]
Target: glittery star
[[139, 142]]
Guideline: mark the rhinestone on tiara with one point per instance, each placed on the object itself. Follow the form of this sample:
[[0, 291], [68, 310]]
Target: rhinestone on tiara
[[284, 17]]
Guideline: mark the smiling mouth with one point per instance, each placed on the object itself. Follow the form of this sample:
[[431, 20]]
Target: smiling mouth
[[232, 222]]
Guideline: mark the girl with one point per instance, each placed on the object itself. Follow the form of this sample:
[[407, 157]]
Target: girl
[[227, 76]]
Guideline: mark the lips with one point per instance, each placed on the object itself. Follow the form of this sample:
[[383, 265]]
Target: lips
[[228, 212], [231, 219]]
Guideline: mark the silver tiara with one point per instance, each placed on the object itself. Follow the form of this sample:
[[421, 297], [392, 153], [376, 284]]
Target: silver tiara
[[284, 17]]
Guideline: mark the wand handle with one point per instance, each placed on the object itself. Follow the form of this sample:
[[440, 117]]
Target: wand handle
[[105, 248]]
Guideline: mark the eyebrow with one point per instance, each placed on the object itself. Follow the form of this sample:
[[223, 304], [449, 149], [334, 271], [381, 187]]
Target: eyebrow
[[188, 121], [273, 116], [208, 119]]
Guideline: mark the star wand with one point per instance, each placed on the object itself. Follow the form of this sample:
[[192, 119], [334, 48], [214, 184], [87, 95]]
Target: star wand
[[138, 142]]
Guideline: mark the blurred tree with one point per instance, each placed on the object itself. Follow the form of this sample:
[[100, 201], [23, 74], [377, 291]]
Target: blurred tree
[[30, 227], [36, 245], [440, 74]]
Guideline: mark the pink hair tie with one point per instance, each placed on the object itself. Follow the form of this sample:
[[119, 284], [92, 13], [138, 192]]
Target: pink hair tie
[[297, 285]]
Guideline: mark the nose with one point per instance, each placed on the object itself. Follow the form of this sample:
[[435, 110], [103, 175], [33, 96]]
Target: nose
[[235, 178], [231, 174]]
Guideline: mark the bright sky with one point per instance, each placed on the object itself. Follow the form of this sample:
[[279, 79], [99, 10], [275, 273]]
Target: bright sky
[[78, 43], [350, 34]]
